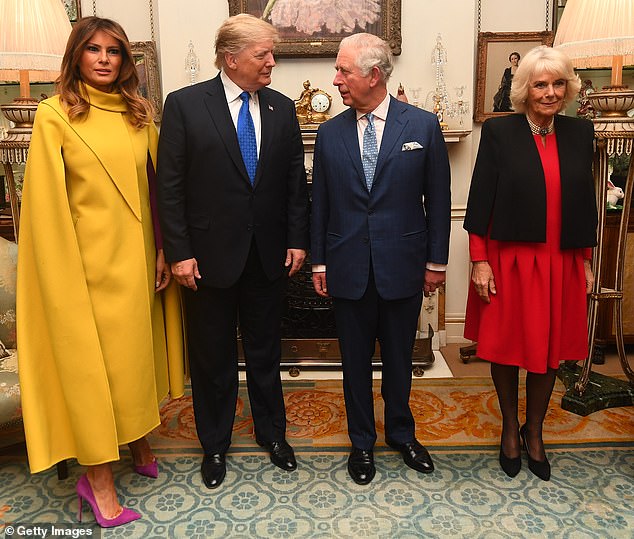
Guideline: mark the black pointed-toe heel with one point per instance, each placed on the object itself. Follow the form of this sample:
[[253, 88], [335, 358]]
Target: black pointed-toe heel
[[510, 466], [540, 468]]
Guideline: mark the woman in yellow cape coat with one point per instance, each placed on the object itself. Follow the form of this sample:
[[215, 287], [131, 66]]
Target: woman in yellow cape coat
[[91, 332]]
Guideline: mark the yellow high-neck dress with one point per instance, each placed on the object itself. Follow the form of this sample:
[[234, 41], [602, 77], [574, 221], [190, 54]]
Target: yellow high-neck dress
[[91, 338]]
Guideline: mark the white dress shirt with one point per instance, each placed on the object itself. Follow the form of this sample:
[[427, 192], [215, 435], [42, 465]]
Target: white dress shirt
[[232, 92], [380, 115]]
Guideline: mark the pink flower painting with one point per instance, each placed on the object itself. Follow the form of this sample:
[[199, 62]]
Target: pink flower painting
[[317, 16]]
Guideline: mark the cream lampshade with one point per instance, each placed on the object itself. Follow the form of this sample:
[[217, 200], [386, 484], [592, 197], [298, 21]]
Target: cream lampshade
[[600, 34], [32, 39]]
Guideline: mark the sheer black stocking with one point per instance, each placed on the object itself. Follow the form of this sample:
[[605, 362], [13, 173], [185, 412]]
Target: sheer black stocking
[[539, 388], [506, 380]]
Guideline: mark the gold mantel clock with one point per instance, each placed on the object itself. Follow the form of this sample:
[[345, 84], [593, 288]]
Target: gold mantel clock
[[312, 106]]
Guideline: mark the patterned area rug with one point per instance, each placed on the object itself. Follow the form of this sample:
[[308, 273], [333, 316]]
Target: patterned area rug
[[449, 413], [591, 493]]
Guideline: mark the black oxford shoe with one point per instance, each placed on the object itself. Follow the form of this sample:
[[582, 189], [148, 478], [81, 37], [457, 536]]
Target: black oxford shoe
[[414, 455], [281, 454], [361, 466], [213, 470]]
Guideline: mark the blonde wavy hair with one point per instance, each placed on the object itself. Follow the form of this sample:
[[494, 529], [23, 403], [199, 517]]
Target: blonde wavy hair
[[540, 60], [140, 111], [238, 32]]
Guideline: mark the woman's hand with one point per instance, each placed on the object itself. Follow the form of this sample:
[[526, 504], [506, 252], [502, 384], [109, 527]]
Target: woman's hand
[[163, 273], [587, 268], [483, 280]]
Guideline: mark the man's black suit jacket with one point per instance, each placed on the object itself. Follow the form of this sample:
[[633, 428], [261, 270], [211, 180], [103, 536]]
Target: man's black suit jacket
[[208, 208], [508, 190]]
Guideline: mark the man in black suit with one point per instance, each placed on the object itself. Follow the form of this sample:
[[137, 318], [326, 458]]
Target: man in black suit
[[234, 214], [381, 216]]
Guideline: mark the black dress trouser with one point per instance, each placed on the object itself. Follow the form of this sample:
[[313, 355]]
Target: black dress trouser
[[212, 315]]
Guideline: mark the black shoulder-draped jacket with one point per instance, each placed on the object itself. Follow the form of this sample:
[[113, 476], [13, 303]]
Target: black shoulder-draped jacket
[[508, 189]]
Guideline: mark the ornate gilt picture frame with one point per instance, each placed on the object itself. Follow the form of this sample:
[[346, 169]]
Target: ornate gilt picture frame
[[494, 51], [147, 67], [317, 31]]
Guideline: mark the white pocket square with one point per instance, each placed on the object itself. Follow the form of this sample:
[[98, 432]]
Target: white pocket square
[[409, 146]]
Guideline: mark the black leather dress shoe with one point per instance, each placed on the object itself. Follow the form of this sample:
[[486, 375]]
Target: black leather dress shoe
[[414, 455], [281, 454], [213, 470], [361, 466]]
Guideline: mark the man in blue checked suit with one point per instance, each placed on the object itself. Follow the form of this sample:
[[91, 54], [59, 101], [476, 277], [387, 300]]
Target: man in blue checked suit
[[380, 238], [233, 206]]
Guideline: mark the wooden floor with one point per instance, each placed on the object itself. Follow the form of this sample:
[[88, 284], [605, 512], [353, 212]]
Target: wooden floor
[[478, 367]]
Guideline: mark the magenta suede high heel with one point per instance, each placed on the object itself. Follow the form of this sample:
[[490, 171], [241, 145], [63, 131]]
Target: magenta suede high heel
[[148, 470], [84, 492]]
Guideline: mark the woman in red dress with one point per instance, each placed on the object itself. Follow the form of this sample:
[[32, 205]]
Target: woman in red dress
[[531, 218]]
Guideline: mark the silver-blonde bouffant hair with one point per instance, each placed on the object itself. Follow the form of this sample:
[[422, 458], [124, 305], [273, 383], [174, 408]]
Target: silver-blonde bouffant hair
[[238, 32], [540, 60], [373, 52]]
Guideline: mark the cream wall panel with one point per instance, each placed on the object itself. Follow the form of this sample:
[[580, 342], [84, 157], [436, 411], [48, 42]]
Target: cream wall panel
[[514, 15], [133, 15], [457, 278]]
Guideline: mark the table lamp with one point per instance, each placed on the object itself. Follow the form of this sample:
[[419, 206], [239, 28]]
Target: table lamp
[[33, 38], [600, 34]]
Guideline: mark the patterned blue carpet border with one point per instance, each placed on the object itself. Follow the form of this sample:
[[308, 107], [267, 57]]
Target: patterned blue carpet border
[[590, 495]]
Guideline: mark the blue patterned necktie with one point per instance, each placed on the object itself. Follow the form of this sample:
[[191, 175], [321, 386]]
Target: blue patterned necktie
[[246, 137], [370, 151]]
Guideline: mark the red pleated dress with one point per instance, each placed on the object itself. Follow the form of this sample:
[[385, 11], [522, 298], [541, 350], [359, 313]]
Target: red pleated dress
[[538, 316]]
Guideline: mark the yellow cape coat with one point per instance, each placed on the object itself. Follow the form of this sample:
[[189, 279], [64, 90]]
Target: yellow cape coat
[[91, 337]]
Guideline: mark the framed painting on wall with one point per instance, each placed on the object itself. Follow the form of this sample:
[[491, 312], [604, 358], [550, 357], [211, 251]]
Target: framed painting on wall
[[498, 56], [147, 67], [316, 29]]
